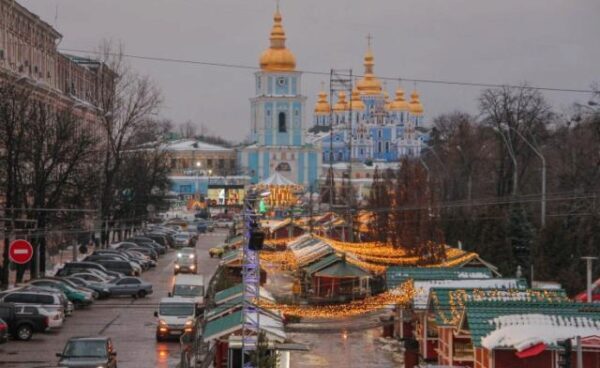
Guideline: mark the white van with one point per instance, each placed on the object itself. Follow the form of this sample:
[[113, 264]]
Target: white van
[[189, 286], [176, 316]]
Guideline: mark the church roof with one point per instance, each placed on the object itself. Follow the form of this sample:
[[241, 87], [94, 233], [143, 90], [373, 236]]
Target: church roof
[[193, 145], [277, 57], [277, 179]]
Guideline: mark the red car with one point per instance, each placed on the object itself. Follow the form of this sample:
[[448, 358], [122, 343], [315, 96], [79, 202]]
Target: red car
[[3, 331], [582, 297]]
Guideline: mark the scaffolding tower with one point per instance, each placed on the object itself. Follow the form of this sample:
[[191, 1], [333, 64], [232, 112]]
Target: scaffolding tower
[[340, 80]]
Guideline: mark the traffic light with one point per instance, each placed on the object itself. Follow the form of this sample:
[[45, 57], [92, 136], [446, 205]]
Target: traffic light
[[564, 355]]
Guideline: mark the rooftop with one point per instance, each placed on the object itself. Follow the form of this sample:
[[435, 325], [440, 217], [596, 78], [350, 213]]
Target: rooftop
[[193, 145]]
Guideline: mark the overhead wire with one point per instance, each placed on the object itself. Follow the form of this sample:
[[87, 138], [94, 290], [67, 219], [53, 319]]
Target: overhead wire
[[320, 73]]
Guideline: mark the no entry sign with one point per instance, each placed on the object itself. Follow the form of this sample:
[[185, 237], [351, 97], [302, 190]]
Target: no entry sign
[[20, 251]]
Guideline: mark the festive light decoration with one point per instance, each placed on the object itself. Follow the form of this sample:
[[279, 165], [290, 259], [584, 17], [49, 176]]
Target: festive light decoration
[[280, 196], [403, 294], [283, 261], [279, 243], [458, 298]]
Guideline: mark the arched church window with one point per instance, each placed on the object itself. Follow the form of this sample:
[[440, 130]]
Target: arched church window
[[283, 166], [379, 146], [282, 123], [387, 146]]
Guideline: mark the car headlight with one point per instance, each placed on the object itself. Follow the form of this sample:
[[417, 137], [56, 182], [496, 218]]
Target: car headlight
[[189, 323], [191, 256], [192, 267], [176, 266], [178, 255]]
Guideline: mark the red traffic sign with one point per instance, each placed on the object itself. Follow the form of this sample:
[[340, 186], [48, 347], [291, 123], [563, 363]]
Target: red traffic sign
[[20, 251]]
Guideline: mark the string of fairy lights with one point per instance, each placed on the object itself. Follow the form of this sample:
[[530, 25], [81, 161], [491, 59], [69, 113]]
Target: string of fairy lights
[[401, 295]]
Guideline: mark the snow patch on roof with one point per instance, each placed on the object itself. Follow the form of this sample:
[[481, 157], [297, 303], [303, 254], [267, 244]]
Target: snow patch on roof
[[521, 331], [422, 288], [193, 145]]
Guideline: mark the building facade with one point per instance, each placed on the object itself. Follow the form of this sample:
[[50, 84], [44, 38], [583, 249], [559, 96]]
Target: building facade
[[278, 112], [29, 57], [200, 169]]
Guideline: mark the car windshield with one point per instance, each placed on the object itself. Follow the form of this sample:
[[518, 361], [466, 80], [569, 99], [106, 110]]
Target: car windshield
[[176, 309], [85, 349], [188, 290]]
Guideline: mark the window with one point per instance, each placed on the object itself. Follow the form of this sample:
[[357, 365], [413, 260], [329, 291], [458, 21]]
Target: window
[[221, 163], [379, 146], [379, 133], [282, 123], [283, 166], [209, 162], [128, 282], [387, 146]]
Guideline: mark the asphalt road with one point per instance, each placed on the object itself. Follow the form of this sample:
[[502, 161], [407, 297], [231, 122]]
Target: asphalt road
[[129, 322]]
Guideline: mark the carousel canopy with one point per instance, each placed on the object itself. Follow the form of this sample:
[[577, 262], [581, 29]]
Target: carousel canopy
[[277, 179]]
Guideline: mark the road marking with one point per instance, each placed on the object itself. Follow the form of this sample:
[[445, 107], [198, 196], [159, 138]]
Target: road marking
[[108, 325]]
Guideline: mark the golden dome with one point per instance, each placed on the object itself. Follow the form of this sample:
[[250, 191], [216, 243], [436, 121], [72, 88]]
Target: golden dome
[[399, 103], [357, 103], [322, 107], [341, 104], [415, 106], [369, 85], [277, 57]]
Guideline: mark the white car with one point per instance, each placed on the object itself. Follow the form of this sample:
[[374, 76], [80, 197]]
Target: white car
[[55, 318]]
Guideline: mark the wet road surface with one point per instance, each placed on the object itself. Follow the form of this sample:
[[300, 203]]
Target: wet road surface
[[129, 322]]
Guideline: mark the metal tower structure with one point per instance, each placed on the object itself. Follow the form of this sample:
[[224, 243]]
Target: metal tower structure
[[340, 80], [250, 279]]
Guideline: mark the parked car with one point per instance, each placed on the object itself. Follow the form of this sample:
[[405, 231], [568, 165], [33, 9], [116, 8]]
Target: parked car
[[122, 267], [3, 331], [22, 326], [68, 306], [98, 287], [75, 286], [49, 300], [216, 252], [92, 277], [131, 286], [76, 267], [159, 238], [79, 298], [141, 239], [95, 351], [151, 253], [55, 318]]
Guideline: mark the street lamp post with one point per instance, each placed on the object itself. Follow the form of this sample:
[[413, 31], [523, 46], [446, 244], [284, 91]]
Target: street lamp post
[[588, 262], [513, 158], [543, 159], [198, 166]]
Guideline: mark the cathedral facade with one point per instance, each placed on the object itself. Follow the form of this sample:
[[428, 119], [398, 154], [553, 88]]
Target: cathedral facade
[[368, 127], [278, 113]]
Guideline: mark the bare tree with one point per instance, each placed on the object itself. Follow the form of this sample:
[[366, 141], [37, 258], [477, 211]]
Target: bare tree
[[512, 112], [129, 101], [14, 112]]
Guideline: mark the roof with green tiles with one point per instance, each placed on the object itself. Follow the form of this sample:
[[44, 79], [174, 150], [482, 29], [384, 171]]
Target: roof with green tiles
[[447, 304], [228, 324], [322, 263], [227, 294], [478, 316], [224, 307], [231, 255], [398, 275], [343, 270]]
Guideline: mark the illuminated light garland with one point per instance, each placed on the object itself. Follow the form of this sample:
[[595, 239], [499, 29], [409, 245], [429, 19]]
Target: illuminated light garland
[[285, 261], [458, 298], [403, 294]]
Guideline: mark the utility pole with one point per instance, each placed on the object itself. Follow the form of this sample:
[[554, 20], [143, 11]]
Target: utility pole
[[588, 262]]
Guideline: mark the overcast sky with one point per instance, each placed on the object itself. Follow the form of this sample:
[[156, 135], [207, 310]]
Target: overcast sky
[[550, 43]]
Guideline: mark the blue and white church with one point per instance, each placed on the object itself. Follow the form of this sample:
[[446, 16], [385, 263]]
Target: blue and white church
[[368, 127], [278, 128]]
